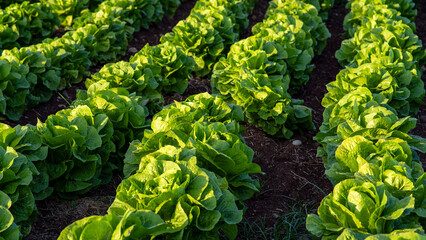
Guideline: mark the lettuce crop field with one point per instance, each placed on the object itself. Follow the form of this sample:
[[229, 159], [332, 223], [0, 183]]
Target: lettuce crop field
[[212, 119]]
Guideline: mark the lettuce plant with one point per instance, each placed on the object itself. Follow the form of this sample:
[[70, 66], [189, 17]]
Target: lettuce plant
[[403, 91], [14, 88], [194, 202], [307, 13], [238, 10], [322, 6], [225, 153], [142, 79], [204, 35], [295, 47], [373, 124], [201, 107], [348, 106], [400, 65], [25, 141], [388, 56], [42, 79], [174, 63], [357, 113], [133, 224], [127, 112], [405, 7], [32, 74], [386, 160], [362, 207], [396, 33], [15, 177], [217, 149], [256, 56], [69, 58], [361, 14], [139, 13], [79, 144], [210, 29], [67, 9], [126, 75], [6, 3], [170, 6], [252, 77]]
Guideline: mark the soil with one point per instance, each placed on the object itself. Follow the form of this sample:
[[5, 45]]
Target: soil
[[291, 173]]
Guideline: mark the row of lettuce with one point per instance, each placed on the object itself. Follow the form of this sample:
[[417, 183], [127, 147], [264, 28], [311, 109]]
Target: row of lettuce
[[26, 23], [77, 149], [261, 71], [22, 24], [30, 75], [368, 151]]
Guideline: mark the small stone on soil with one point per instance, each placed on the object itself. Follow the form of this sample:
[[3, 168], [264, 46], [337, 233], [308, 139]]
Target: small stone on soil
[[133, 50], [297, 142]]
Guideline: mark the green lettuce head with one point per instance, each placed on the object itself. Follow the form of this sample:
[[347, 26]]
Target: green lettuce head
[[374, 123], [407, 8], [217, 149], [400, 91], [191, 200], [396, 33], [127, 112], [79, 144], [280, 33], [307, 13], [389, 161], [143, 79], [204, 35], [175, 65], [254, 80], [361, 14], [360, 206], [201, 107], [141, 224]]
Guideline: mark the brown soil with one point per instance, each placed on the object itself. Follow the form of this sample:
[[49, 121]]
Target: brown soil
[[292, 173]]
